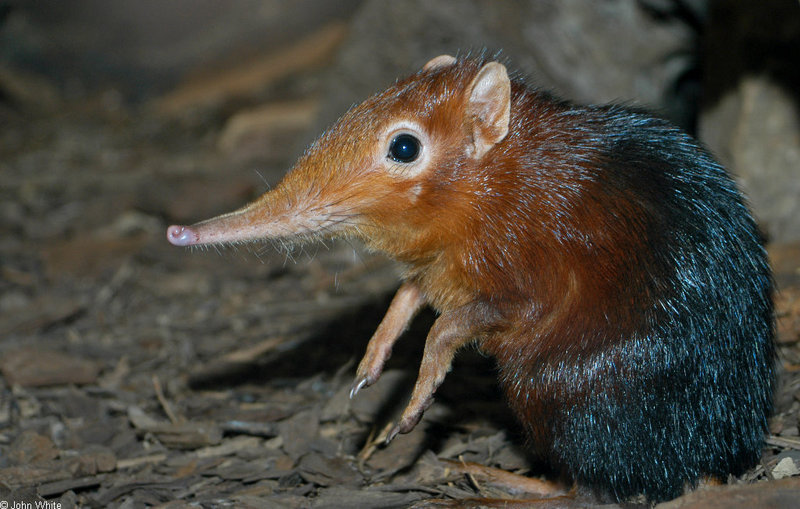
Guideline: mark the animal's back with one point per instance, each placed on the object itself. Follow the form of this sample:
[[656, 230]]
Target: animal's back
[[651, 365]]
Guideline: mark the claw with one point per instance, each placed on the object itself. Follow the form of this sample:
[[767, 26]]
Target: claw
[[408, 422], [393, 433], [357, 386]]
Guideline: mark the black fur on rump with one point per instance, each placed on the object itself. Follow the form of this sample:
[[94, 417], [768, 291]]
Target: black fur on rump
[[683, 390]]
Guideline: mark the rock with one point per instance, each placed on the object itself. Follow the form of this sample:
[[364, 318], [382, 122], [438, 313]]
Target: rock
[[750, 106], [755, 131], [785, 468]]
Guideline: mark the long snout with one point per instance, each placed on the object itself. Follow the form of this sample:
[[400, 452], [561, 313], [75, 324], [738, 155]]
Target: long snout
[[255, 222], [269, 217]]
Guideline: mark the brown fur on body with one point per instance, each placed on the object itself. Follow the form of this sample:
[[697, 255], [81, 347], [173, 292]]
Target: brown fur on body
[[603, 257]]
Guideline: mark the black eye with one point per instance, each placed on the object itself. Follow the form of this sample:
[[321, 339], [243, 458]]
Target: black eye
[[404, 148]]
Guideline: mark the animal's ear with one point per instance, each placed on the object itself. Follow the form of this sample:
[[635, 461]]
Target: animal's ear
[[488, 109], [440, 61]]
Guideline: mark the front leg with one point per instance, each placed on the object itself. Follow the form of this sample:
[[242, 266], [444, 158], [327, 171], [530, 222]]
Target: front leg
[[405, 304], [452, 330]]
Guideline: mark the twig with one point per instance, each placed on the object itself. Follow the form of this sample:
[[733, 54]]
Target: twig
[[469, 475], [174, 419], [372, 443]]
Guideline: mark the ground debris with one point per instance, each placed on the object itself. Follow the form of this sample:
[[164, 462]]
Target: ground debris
[[35, 367], [183, 435]]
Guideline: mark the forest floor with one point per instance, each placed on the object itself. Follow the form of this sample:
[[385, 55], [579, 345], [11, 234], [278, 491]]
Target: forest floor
[[138, 374]]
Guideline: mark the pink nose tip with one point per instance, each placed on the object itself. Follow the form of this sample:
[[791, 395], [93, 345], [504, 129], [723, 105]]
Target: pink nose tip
[[181, 235]]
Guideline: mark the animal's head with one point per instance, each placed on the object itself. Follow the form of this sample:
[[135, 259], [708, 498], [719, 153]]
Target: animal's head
[[388, 171]]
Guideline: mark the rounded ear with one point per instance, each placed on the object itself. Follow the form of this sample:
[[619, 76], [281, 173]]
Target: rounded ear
[[440, 61], [488, 109]]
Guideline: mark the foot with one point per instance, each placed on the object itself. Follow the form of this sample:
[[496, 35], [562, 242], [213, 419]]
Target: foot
[[411, 417]]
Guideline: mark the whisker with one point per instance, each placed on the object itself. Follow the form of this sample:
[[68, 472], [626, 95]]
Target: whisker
[[263, 179]]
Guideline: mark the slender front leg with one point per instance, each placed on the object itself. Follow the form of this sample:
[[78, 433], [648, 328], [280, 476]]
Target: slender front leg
[[405, 304], [451, 330]]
